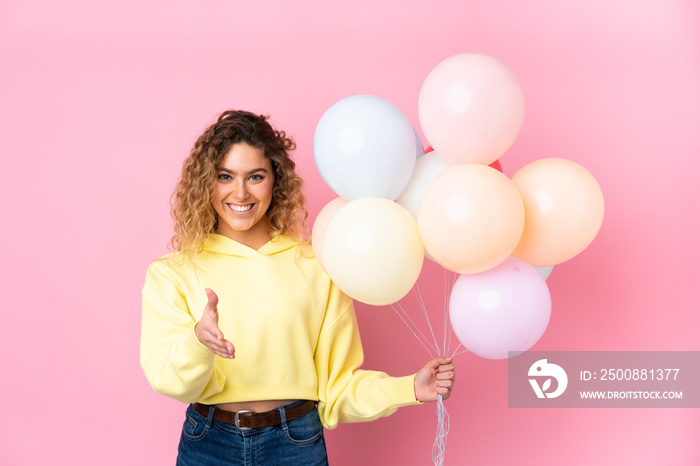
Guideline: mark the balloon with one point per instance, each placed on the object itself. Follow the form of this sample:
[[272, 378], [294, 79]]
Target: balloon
[[365, 147], [545, 271], [320, 224], [470, 218], [372, 250], [563, 210], [497, 164], [426, 170], [419, 144], [471, 108], [503, 309]]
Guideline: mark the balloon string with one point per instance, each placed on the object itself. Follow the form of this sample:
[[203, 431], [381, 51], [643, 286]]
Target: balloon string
[[403, 315], [424, 310], [445, 317], [455, 353], [443, 428], [433, 349], [446, 322]]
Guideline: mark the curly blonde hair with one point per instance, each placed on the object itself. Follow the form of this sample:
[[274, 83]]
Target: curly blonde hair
[[191, 203]]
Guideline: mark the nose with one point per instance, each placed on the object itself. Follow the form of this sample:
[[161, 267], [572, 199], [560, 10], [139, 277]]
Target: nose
[[240, 190]]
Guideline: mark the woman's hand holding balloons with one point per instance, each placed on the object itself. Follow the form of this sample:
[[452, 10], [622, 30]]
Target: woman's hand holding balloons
[[434, 379], [208, 331]]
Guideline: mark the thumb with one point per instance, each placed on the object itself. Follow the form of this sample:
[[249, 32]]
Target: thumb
[[212, 301], [436, 363]]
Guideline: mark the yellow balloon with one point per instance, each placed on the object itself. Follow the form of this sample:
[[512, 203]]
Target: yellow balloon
[[470, 218], [563, 210], [320, 224], [372, 250]]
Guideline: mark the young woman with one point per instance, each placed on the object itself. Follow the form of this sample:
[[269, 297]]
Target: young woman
[[242, 323]]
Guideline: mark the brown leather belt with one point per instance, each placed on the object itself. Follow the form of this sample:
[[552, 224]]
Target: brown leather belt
[[245, 419]]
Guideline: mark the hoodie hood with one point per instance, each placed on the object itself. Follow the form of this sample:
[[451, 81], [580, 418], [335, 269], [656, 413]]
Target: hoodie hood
[[224, 245]]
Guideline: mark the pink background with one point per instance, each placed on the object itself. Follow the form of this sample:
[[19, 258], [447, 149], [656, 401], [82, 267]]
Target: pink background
[[101, 101]]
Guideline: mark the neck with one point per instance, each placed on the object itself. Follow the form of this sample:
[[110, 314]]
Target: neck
[[254, 237]]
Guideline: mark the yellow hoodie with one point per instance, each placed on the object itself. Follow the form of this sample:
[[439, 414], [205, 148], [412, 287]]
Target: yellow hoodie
[[295, 333]]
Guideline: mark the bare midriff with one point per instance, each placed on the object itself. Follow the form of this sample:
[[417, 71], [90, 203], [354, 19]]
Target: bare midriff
[[255, 406]]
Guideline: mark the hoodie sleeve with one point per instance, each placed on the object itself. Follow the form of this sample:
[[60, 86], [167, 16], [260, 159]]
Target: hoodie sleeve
[[176, 364], [347, 393]]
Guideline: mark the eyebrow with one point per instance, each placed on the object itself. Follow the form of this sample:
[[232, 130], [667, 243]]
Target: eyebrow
[[254, 170]]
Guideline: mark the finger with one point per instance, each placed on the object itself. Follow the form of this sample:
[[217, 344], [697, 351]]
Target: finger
[[224, 355], [217, 338], [446, 367], [432, 365], [216, 332], [223, 349], [212, 297], [220, 344], [444, 392], [213, 344], [444, 384], [228, 350], [437, 363], [213, 334], [446, 376]]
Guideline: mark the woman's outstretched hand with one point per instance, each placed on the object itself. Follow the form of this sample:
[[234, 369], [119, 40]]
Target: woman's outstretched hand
[[434, 379], [208, 331]]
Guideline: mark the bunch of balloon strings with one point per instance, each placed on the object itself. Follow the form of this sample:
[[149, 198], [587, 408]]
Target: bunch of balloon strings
[[430, 342]]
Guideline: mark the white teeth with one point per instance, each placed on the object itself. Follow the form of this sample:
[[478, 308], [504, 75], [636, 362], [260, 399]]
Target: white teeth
[[240, 208]]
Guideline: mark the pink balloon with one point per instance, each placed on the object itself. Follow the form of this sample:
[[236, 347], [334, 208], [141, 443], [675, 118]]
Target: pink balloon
[[506, 308], [471, 108]]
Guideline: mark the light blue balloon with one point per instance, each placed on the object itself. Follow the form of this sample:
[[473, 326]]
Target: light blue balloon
[[365, 147]]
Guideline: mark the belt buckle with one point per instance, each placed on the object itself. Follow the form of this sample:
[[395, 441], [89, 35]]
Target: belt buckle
[[237, 419]]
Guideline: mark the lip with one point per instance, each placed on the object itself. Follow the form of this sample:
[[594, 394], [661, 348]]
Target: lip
[[231, 208]]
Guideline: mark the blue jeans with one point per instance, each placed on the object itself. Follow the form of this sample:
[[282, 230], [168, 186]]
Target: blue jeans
[[206, 442]]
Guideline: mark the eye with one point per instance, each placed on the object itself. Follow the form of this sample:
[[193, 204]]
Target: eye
[[257, 177], [224, 177]]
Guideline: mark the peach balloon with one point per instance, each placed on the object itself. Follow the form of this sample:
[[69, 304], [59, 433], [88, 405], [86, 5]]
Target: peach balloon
[[470, 218], [471, 108], [563, 210], [372, 250], [320, 224]]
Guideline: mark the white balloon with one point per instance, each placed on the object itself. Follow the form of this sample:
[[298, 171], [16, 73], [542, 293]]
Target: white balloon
[[365, 147], [372, 250], [420, 150], [320, 224], [545, 271], [427, 169]]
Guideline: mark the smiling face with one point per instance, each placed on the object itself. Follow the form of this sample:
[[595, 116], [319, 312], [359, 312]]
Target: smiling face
[[242, 195]]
